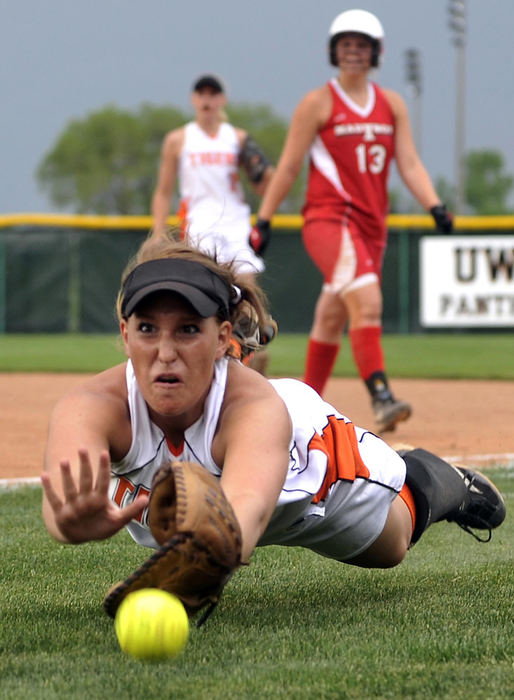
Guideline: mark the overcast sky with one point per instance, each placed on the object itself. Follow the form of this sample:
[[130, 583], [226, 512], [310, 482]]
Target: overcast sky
[[61, 59]]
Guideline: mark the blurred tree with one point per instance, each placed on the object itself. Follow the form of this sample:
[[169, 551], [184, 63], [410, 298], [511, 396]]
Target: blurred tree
[[487, 186], [446, 192], [107, 162], [395, 197]]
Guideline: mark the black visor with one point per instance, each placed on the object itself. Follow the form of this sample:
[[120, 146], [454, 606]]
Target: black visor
[[201, 287]]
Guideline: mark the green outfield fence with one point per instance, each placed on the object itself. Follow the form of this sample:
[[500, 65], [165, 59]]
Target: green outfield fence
[[60, 273]]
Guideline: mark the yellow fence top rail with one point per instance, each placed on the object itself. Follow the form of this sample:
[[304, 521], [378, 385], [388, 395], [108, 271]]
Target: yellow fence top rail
[[284, 221]]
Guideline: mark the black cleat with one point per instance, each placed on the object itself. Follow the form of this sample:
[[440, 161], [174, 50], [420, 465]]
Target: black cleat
[[483, 507]]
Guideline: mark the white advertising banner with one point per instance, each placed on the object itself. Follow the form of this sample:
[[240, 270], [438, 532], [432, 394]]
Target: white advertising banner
[[467, 281]]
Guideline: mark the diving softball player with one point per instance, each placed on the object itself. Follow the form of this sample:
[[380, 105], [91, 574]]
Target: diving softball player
[[294, 470]]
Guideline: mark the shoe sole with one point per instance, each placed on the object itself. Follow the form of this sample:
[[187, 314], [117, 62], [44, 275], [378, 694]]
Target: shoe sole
[[389, 425]]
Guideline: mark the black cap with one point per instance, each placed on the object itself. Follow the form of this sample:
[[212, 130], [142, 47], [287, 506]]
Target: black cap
[[208, 81], [201, 287]]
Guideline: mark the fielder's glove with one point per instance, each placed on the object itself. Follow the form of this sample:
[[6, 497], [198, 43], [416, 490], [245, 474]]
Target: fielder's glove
[[200, 538], [260, 236], [443, 218]]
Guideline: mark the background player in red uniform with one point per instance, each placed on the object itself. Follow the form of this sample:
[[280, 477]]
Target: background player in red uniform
[[352, 129]]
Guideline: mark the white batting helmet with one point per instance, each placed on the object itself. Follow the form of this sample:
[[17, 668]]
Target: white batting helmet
[[360, 22]]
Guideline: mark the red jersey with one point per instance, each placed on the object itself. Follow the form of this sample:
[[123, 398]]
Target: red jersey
[[349, 162]]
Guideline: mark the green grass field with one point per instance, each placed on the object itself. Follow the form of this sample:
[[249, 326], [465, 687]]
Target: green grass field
[[291, 625], [478, 356]]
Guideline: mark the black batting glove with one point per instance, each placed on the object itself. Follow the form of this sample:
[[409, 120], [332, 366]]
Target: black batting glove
[[443, 218], [260, 236]]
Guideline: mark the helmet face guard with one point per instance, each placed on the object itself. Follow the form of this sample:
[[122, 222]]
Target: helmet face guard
[[357, 22], [375, 49]]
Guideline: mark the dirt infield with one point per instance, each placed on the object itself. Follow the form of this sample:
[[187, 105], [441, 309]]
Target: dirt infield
[[472, 419]]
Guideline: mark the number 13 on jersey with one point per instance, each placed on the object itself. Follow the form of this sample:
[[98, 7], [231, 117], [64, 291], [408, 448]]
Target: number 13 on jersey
[[370, 158]]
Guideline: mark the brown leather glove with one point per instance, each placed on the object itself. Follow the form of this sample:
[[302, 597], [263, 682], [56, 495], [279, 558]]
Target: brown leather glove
[[199, 537]]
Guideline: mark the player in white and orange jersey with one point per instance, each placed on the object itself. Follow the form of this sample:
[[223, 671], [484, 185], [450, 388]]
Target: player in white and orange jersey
[[352, 129], [205, 156], [295, 470]]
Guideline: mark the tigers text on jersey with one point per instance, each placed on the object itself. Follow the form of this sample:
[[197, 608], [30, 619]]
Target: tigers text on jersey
[[349, 161], [211, 192], [339, 485]]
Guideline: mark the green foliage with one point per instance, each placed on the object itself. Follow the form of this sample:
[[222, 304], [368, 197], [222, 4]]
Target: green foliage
[[107, 162], [269, 131], [290, 625], [395, 204], [447, 192], [487, 186]]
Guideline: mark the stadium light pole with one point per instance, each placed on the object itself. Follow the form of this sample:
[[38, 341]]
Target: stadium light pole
[[413, 78], [457, 22]]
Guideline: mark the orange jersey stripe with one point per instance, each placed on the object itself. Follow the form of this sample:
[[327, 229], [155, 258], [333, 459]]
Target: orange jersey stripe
[[176, 451], [407, 497], [344, 463], [182, 216]]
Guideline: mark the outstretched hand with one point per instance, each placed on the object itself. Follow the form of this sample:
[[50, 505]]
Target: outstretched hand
[[85, 512]]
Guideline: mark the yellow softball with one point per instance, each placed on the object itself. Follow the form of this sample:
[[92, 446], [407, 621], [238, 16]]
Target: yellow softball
[[151, 624]]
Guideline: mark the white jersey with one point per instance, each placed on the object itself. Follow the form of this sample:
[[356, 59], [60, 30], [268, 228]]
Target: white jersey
[[212, 208], [331, 463]]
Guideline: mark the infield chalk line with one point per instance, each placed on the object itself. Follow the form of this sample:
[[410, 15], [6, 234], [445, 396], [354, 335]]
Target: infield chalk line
[[501, 458], [21, 481], [506, 457]]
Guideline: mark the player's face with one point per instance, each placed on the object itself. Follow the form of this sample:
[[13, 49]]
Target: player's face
[[207, 102], [173, 351], [354, 53]]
